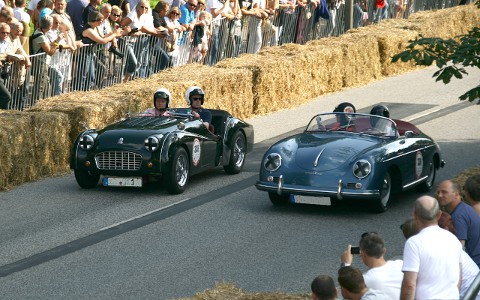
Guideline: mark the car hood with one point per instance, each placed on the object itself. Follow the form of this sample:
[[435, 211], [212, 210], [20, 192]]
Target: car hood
[[323, 152], [133, 131]]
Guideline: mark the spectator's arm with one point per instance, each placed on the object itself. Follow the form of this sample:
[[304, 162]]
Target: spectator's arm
[[347, 257], [125, 21], [217, 11], [48, 48], [127, 8], [91, 34], [409, 284]]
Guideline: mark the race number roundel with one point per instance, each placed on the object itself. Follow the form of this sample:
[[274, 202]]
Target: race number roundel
[[196, 151], [418, 164]]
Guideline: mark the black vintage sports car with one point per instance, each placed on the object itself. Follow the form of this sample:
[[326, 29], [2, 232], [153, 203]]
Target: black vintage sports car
[[349, 156], [172, 147]]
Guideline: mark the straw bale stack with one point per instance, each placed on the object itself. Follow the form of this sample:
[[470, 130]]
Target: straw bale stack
[[98, 108], [33, 145], [446, 23], [361, 61], [227, 89], [287, 76], [392, 38]]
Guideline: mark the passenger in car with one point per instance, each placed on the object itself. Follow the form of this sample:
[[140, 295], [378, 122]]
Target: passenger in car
[[344, 121], [161, 103], [195, 97]]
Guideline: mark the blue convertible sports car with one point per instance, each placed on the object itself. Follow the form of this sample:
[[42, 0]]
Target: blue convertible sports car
[[349, 156]]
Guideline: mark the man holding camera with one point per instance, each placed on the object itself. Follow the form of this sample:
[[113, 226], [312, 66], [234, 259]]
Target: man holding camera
[[382, 275]]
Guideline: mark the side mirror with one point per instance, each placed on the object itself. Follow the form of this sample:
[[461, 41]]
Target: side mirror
[[409, 134]]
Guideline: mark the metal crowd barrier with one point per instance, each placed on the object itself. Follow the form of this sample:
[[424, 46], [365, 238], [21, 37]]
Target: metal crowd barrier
[[95, 67]]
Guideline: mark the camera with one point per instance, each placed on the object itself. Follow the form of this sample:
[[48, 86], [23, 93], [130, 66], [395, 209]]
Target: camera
[[115, 51], [355, 250], [5, 69]]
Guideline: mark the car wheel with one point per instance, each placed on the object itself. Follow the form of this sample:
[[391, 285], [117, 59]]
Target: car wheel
[[380, 205], [277, 199], [86, 179], [427, 185], [238, 149], [177, 178]]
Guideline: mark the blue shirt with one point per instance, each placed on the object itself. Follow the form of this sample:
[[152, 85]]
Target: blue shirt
[[187, 15], [467, 226]]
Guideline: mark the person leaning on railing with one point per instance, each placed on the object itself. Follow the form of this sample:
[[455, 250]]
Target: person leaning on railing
[[141, 22], [40, 44], [5, 50], [92, 36], [19, 68]]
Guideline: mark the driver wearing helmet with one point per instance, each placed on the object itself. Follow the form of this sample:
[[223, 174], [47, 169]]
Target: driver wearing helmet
[[161, 102], [195, 97], [380, 124], [344, 121]]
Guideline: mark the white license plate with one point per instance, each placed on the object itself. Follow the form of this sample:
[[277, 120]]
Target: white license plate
[[123, 181], [312, 200]]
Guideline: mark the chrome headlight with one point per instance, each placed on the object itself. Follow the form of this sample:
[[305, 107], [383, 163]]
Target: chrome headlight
[[362, 168], [86, 142], [272, 162], [152, 143]]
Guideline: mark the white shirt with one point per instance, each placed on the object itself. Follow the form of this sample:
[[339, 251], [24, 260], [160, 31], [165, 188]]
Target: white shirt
[[32, 5], [469, 272], [387, 278], [20, 14], [214, 4], [434, 254]]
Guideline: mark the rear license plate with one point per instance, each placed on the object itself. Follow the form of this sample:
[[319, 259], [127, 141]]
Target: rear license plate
[[123, 181], [312, 200]]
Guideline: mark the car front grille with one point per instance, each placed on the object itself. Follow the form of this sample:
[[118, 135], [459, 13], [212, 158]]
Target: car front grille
[[118, 160]]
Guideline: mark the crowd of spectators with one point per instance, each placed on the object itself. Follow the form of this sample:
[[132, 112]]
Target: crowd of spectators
[[86, 45], [438, 257]]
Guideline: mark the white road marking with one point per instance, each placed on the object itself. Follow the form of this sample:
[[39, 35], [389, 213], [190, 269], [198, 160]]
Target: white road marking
[[143, 215]]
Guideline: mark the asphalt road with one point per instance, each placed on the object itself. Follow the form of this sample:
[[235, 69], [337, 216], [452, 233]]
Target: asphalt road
[[58, 241]]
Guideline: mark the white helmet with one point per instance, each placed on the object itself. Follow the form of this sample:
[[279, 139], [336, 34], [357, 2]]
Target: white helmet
[[164, 94], [194, 90]]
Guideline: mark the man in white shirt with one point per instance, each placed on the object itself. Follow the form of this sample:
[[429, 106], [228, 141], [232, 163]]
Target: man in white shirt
[[383, 275], [431, 258]]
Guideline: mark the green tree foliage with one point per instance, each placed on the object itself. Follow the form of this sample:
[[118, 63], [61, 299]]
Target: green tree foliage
[[450, 56]]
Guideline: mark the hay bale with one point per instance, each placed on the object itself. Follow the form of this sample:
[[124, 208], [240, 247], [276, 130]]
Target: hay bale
[[287, 76], [33, 146], [360, 55], [392, 38], [224, 290], [227, 89], [446, 23]]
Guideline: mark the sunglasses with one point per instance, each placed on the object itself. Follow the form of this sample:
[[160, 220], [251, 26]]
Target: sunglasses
[[192, 5], [118, 16], [175, 14]]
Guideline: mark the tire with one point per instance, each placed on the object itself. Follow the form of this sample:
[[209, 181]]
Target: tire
[[238, 150], [427, 185], [380, 205], [280, 200], [85, 179], [177, 178]]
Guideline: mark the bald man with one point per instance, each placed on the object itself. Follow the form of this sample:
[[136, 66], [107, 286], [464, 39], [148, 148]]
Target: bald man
[[431, 258]]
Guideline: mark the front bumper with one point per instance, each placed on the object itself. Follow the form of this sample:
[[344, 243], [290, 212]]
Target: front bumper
[[340, 191]]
